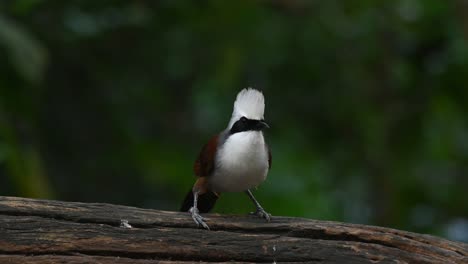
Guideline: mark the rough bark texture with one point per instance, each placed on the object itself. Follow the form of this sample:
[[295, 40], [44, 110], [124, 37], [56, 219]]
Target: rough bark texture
[[40, 231]]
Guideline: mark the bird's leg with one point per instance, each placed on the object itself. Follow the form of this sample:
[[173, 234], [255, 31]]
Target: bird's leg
[[195, 213], [260, 211]]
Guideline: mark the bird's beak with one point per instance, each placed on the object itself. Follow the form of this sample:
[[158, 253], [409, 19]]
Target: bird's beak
[[263, 124]]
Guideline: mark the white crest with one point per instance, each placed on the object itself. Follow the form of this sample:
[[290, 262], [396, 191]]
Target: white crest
[[249, 103]]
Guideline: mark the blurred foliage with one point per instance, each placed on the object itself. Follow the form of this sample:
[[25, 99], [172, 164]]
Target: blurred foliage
[[110, 101]]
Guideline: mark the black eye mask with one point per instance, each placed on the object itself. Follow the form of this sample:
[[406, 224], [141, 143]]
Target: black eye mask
[[245, 124]]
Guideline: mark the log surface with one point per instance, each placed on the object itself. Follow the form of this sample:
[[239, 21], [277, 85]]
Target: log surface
[[43, 231]]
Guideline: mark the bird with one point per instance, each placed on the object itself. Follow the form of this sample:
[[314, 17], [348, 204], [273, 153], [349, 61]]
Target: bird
[[236, 160]]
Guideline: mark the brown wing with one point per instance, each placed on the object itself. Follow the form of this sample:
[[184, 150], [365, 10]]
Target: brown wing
[[204, 164]]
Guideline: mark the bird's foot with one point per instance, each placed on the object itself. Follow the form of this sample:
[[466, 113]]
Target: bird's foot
[[260, 212], [199, 220]]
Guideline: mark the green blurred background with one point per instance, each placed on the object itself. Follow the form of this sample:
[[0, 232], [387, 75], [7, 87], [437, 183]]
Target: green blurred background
[[110, 101]]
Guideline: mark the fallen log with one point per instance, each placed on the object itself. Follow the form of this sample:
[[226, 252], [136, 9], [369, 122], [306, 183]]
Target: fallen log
[[44, 231]]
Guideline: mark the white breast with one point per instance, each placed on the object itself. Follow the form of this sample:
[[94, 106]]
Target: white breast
[[241, 163]]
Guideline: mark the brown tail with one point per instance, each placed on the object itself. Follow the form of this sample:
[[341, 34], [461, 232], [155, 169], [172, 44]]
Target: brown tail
[[205, 203]]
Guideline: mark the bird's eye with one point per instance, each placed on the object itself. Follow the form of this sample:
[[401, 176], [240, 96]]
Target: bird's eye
[[243, 119]]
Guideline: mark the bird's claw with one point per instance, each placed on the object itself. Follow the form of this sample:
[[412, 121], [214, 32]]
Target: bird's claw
[[260, 212], [199, 220]]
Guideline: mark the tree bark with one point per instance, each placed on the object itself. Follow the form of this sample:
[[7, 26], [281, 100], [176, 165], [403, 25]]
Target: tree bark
[[42, 231]]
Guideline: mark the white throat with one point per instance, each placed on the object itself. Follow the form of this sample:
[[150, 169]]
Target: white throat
[[241, 162]]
